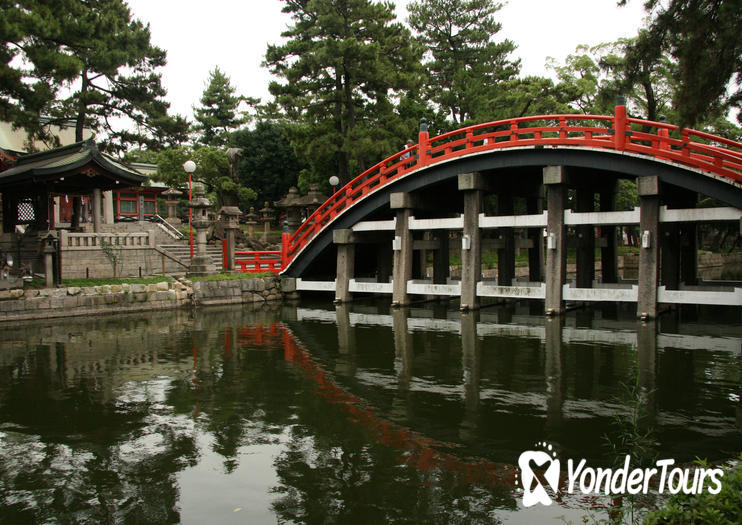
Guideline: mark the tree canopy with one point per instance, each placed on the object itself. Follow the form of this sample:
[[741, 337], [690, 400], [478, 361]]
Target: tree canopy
[[345, 64], [212, 168], [704, 37], [269, 164], [89, 62], [219, 113], [467, 69]]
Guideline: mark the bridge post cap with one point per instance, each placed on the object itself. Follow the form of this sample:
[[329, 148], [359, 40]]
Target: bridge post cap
[[288, 284], [401, 200], [343, 236], [285, 226], [555, 175], [648, 186], [620, 100], [423, 124], [473, 180]]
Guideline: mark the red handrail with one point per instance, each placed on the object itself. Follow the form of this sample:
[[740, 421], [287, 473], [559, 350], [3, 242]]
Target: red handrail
[[256, 262], [619, 132]]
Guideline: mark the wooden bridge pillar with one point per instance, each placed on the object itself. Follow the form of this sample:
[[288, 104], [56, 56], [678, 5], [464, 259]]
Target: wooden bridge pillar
[[472, 184], [585, 240], [609, 249], [506, 254], [441, 260], [402, 246], [555, 181], [535, 205], [648, 189], [345, 241], [384, 262]]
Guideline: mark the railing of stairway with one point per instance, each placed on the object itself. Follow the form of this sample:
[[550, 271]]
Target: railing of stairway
[[618, 132]]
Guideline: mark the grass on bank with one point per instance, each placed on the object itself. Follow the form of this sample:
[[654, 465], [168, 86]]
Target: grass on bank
[[103, 282], [231, 276]]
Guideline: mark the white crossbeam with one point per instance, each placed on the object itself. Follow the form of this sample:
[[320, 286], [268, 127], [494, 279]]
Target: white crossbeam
[[367, 287], [513, 221], [372, 226], [492, 290], [451, 223], [600, 294], [700, 214], [315, 286], [602, 217]]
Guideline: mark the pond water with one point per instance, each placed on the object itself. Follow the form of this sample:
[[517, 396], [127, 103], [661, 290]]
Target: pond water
[[353, 414]]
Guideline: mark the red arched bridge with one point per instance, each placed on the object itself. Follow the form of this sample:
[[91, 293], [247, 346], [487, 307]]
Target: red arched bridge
[[553, 167]]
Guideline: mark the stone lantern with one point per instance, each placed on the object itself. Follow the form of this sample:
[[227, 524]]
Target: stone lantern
[[49, 249], [293, 206], [266, 215], [229, 216], [201, 263], [171, 198], [251, 222]]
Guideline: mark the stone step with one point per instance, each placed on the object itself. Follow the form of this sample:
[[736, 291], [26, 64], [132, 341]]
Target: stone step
[[183, 252]]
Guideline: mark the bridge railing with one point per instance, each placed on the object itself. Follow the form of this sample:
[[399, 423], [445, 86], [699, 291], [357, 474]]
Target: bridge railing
[[697, 149], [250, 261], [370, 180]]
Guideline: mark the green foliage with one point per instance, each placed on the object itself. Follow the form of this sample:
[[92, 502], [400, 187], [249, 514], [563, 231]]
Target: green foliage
[[269, 164], [593, 77], [219, 113], [32, 67], [467, 69], [102, 282], [704, 37], [345, 64], [626, 196], [85, 61], [113, 254], [231, 276], [722, 508], [212, 168]]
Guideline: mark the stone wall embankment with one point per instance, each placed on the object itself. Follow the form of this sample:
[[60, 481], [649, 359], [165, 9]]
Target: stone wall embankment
[[24, 304], [21, 304], [238, 291]]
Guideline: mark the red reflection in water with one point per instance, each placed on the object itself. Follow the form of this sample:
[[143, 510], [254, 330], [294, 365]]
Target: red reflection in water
[[418, 451]]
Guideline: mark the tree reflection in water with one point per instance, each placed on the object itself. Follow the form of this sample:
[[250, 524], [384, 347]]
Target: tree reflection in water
[[112, 420]]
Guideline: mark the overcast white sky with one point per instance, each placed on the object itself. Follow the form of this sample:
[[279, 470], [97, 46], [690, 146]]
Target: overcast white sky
[[199, 35]]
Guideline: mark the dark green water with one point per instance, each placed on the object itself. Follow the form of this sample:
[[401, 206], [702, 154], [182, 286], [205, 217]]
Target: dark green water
[[357, 415]]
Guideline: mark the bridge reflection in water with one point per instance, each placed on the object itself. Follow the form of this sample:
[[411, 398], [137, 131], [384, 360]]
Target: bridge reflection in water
[[371, 408]]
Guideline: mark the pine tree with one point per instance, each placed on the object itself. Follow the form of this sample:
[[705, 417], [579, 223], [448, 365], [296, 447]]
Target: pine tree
[[219, 113], [705, 39], [102, 59], [467, 69], [345, 66]]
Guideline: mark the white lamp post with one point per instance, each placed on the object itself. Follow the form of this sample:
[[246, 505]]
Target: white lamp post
[[334, 181], [189, 166]]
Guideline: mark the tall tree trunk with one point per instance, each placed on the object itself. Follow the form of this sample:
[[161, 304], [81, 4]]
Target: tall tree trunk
[[342, 161], [82, 107], [350, 111]]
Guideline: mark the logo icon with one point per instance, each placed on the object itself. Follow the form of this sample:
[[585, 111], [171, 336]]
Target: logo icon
[[541, 467]]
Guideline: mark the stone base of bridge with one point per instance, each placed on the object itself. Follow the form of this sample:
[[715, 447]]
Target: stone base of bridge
[[556, 220]]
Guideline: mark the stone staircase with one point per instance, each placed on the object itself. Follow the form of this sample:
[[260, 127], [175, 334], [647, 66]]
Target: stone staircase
[[182, 251]]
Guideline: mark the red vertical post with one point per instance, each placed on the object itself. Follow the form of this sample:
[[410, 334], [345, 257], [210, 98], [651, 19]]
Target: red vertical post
[[423, 144], [620, 124], [284, 249], [224, 254], [664, 135], [190, 214]]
